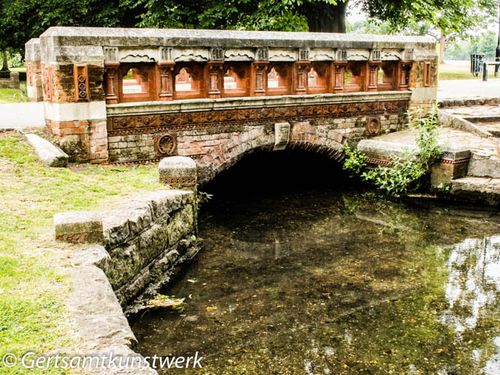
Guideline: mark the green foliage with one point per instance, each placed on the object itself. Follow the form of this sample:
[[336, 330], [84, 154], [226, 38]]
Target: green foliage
[[15, 60], [447, 16], [203, 197], [21, 20], [232, 14], [426, 128], [355, 161], [405, 173]]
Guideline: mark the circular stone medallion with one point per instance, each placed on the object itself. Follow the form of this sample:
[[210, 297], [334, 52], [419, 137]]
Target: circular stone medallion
[[166, 144], [372, 125]]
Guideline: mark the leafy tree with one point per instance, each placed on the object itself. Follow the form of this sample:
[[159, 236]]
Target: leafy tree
[[21, 20], [319, 15], [443, 19], [216, 14]]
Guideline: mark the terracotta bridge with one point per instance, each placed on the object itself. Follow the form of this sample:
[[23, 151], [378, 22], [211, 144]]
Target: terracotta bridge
[[138, 95]]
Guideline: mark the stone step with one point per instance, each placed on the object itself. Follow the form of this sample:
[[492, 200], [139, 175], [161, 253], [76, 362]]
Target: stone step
[[484, 164], [479, 189]]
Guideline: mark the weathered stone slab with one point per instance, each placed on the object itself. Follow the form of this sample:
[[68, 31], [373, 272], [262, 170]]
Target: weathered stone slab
[[164, 202], [482, 165], [95, 254], [456, 122], [125, 222], [98, 321], [10, 81], [382, 149], [179, 172], [453, 164], [456, 153], [78, 227], [86, 36], [478, 189], [49, 154]]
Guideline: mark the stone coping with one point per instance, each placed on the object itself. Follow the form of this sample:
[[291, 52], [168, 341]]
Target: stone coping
[[33, 49], [228, 38], [457, 122], [97, 320], [195, 105], [468, 102]]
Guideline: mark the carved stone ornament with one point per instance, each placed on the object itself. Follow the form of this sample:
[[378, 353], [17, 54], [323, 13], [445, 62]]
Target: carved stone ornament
[[373, 125], [166, 145]]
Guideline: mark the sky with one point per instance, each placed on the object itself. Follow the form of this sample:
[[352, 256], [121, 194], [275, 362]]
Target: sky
[[354, 12]]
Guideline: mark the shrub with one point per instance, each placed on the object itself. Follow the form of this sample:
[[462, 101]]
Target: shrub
[[405, 173]]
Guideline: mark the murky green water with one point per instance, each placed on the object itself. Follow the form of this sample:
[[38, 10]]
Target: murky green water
[[336, 281]]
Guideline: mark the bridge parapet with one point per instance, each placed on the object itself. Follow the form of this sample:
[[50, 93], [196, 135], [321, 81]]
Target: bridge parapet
[[132, 94]]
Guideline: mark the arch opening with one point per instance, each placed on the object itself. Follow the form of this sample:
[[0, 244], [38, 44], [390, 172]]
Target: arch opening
[[263, 171], [279, 79], [318, 77], [189, 81], [137, 82], [354, 76], [236, 79], [386, 76]]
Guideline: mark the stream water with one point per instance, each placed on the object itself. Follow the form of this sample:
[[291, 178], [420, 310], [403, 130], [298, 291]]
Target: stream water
[[308, 275]]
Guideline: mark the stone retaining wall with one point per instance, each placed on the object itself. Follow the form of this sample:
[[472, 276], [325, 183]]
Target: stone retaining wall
[[143, 240], [11, 82], [468, 102], [126, 254]]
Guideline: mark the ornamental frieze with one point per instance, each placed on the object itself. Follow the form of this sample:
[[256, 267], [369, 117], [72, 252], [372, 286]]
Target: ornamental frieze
[[154, 123]]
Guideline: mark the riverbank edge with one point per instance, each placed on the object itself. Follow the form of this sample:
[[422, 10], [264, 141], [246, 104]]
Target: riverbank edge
[[124, 256]]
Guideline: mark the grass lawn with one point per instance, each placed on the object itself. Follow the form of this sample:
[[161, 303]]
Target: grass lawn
[[14, 95], [449, 75], [33, 284], [460, 70]]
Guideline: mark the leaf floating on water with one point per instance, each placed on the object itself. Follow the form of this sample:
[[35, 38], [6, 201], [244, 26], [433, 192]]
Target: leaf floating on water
[[211, 308], [163, 301], [191, 318]]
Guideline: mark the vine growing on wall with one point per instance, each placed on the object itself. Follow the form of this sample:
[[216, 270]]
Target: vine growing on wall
[[405, 173]]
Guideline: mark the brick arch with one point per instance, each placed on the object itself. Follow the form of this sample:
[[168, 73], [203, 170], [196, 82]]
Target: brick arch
[[218, 152]]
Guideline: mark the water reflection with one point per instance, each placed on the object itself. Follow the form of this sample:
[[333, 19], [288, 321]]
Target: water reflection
[[473, 286], [474, 281]]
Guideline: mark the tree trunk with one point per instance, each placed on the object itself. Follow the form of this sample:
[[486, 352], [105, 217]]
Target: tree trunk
[[5, 63], [325, 18], [442, 48]]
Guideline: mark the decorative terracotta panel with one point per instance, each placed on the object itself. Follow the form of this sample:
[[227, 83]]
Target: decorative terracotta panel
[[81, 78], [158, 123]]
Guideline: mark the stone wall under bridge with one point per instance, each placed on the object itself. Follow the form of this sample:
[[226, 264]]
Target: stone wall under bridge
[[216, 139], [134, 95]]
